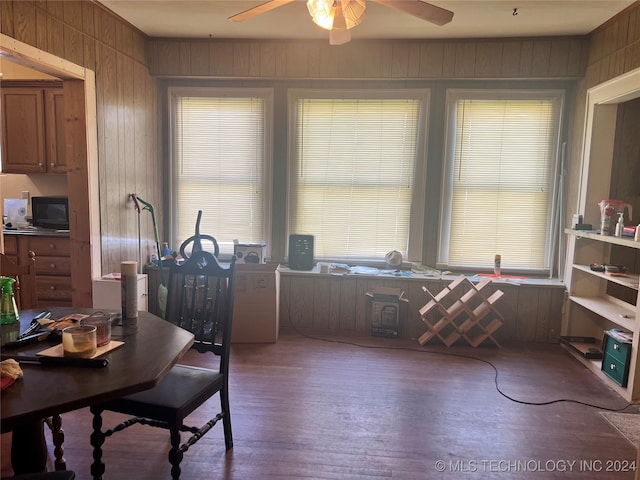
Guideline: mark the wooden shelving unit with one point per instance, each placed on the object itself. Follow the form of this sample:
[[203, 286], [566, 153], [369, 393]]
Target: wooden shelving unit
[[461, 311], [591, 309], [597, 301]]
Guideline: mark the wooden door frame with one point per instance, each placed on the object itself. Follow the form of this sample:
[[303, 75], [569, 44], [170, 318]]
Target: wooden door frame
[[81, 139]]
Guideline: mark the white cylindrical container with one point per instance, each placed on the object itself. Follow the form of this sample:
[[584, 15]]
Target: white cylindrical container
[[620, 225], [637, 235], [129, 289], [496, 265]]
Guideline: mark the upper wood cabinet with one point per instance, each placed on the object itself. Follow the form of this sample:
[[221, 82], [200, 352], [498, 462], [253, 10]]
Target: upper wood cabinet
[[33, 128]]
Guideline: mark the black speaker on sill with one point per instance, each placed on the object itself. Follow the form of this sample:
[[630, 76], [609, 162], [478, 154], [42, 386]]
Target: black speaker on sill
[[300, 252]]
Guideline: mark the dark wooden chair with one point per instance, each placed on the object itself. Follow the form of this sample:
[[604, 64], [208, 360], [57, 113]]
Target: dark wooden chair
[[25, 276], [200, 299]]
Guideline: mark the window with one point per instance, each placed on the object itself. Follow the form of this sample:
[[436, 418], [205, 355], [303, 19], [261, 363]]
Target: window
[[499, 179], [221, 164], [356, 177]]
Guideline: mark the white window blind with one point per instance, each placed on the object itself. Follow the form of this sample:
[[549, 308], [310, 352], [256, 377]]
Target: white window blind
[[352, 179], [499, 187], [219, 160]]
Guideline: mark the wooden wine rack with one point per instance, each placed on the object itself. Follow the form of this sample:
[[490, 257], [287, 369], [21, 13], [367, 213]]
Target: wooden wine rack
[[461, 311]]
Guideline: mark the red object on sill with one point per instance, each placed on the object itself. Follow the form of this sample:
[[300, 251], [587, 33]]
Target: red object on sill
[[493, 275]]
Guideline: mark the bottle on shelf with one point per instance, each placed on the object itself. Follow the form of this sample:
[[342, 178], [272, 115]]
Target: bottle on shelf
[[9, 317], [637, 235], [496, 264], [620, 224]]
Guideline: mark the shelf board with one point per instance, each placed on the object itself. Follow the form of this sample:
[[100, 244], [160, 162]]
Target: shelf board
[[620, 313], [631, 280], [624, 241]]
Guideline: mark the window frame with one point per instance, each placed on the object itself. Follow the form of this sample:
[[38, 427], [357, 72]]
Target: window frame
[[417, 210], [559, 96], [267, 95]]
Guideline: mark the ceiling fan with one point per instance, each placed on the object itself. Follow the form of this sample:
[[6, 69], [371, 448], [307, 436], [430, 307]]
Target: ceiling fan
[[339, 16]]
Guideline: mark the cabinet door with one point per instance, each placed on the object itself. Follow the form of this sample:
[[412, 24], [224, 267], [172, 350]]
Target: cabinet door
[[54, 127], [23, 146]]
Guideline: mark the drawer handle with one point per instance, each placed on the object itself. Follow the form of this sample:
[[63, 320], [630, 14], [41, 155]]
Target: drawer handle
[[52, 246], [612, 366], [53, 265], [53, 287], [616, 346]]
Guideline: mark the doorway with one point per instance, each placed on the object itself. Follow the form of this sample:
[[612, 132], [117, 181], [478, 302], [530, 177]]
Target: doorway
[[82, 159]]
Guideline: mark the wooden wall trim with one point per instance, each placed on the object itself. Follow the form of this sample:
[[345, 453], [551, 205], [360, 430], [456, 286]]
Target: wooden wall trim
[[554, 57], [31, 83]]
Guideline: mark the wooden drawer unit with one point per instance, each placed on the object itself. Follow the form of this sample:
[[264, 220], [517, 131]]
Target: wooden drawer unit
[[53, 266], [10, 245], [48, 246], [11, 248], [616, 359], [46, 265], [53, 291]]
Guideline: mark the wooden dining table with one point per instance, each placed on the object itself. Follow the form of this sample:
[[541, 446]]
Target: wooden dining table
[[151, 346]]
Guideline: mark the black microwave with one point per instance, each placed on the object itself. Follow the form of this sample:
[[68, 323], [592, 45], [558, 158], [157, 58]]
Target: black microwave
[[50, 212]]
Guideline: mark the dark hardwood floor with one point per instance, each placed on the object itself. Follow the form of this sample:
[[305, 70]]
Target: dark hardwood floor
[[312, 409]]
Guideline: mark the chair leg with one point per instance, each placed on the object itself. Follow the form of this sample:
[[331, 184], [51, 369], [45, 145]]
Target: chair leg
[[226, 420], [57, 435], [97, 439], [175, 454]]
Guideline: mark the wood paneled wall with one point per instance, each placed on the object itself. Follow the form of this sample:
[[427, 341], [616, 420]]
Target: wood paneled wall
[[88, 35], [129, 117], [615, 47], [561, 57], [320, 302]]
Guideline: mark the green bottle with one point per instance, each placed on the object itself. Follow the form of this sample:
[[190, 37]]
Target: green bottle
[[9, 317]]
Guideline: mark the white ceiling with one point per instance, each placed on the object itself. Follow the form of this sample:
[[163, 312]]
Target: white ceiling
[[472, 19]]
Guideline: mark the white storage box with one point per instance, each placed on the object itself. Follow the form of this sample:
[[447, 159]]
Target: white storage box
[[250, 252], [107, 292]]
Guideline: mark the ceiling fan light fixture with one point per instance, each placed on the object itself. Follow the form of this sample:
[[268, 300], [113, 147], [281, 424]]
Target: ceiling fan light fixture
[[333, 14], [322, 12]]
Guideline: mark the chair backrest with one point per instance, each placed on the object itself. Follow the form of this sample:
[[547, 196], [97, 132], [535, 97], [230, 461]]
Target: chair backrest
[[25, 287], [200, 299]]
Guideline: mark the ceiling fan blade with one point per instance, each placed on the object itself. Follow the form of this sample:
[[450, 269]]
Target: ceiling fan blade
[[420, 9], [258, 10], [339, 36]]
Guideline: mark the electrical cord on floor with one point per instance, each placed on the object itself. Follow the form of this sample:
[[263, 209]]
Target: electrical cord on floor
[[467, 357]]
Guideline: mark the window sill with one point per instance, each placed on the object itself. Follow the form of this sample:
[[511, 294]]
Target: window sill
[[413, 276]]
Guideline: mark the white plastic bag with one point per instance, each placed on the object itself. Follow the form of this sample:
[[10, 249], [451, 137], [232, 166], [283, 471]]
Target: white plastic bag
[[15, 209]]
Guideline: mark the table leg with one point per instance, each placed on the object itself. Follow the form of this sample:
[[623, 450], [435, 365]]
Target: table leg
[[97, 439], [28, 448], [57, 434]]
